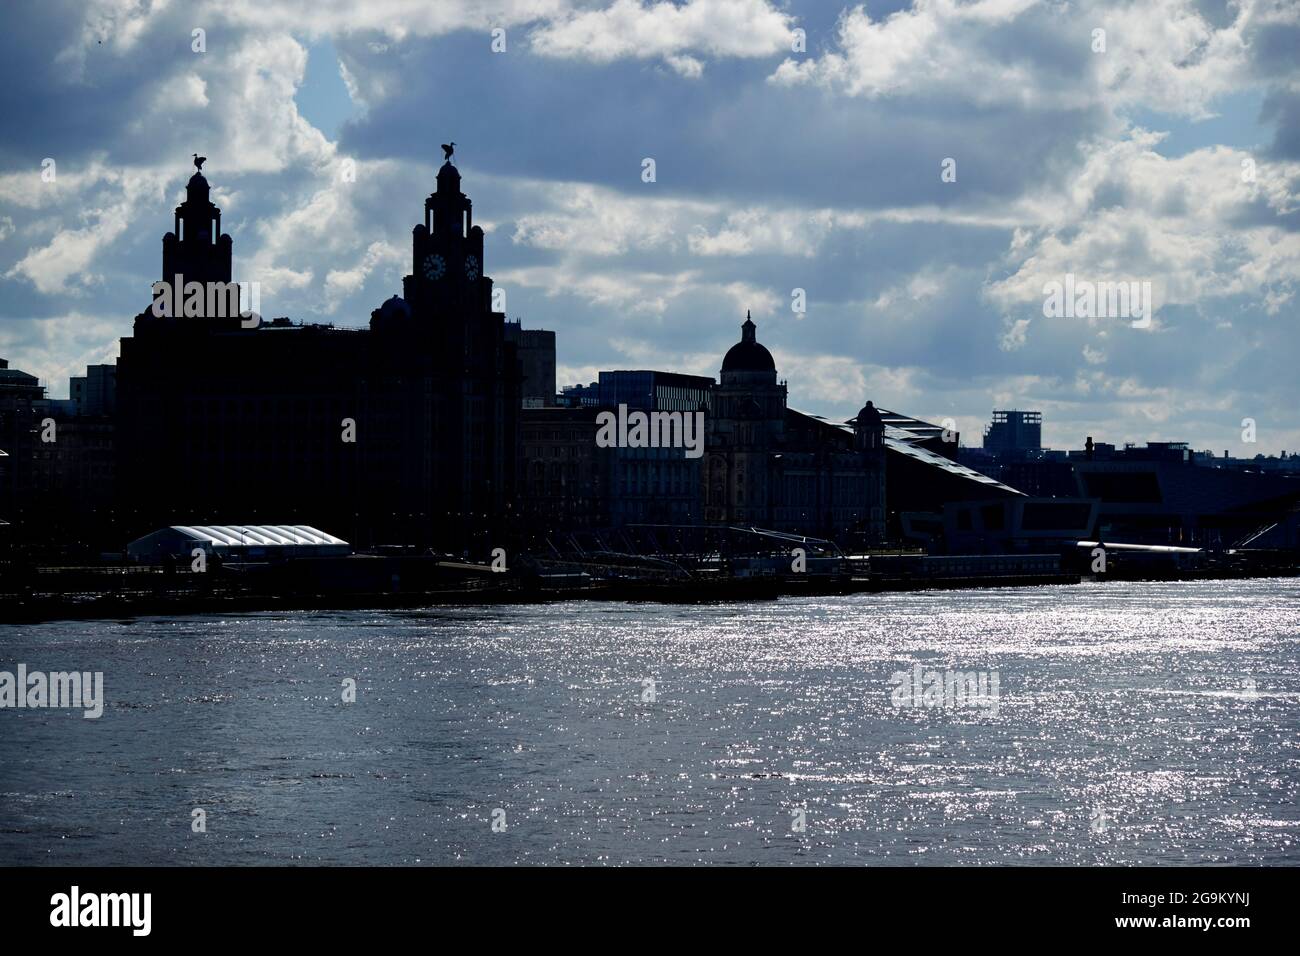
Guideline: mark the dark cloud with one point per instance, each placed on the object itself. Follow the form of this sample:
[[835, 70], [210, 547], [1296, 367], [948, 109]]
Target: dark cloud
[[729, 134], [1282, 108]]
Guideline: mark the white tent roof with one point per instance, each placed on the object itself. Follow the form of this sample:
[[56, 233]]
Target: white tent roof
[[258, 535]]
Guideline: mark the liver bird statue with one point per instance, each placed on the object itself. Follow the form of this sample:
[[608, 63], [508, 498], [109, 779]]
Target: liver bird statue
[[448, 149], [199, 161]]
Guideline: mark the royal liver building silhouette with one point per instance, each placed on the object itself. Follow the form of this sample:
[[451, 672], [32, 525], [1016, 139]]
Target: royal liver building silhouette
[[403, 432]]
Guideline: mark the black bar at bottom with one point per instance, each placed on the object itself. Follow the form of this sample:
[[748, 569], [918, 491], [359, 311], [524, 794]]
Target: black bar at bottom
[[332, 906]]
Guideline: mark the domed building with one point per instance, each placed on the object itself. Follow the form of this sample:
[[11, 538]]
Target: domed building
[[769, 466], [746, 426]]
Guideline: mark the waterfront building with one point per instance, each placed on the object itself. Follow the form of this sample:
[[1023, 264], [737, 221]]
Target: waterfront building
[[649, 485], [439, 426], [571, 482], [1161, 493], [405, 432], [563, 475], [240, 543], [772, 466]]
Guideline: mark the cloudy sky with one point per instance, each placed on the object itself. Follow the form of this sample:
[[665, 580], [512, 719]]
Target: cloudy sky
[[783, 161]]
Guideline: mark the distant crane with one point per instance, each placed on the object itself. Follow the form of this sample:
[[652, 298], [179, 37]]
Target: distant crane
[[448, 149], [200, 160]]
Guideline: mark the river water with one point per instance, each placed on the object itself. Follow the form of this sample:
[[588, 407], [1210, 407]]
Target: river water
[[1118, 723]]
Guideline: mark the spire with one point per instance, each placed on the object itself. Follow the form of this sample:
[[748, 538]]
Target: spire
[[747, 330]]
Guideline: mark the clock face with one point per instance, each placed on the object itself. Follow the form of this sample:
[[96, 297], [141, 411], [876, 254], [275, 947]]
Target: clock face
[[471, 268], [434, 267]]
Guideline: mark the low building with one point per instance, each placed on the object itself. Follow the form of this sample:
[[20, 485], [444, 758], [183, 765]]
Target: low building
[[262, 542], [1161, 494]]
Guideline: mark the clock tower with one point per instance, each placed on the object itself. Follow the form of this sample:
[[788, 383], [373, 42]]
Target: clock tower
[[445, 383], [447, 253]]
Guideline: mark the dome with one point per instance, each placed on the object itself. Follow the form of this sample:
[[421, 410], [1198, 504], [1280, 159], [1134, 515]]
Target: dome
[[748, 355], [391, 314], [196, 190], [449, 176], [395, 306]]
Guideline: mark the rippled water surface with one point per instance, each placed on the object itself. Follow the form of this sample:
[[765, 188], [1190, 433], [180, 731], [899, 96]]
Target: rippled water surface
[[1134, 723]]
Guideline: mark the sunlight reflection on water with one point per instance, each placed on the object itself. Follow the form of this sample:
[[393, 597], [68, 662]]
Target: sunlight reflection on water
[[1135, 723]]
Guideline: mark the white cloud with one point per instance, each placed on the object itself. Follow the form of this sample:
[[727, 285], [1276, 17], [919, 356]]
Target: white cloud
[[748, 297], [926, 284], [55, 348], [580, 218], [1163, 54], [1189, 225], [924, 48], [261, 129], [186, 92], [122, 23], [64, 264], [624, 290], [797, 232], [633, 29], [341, 283]]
